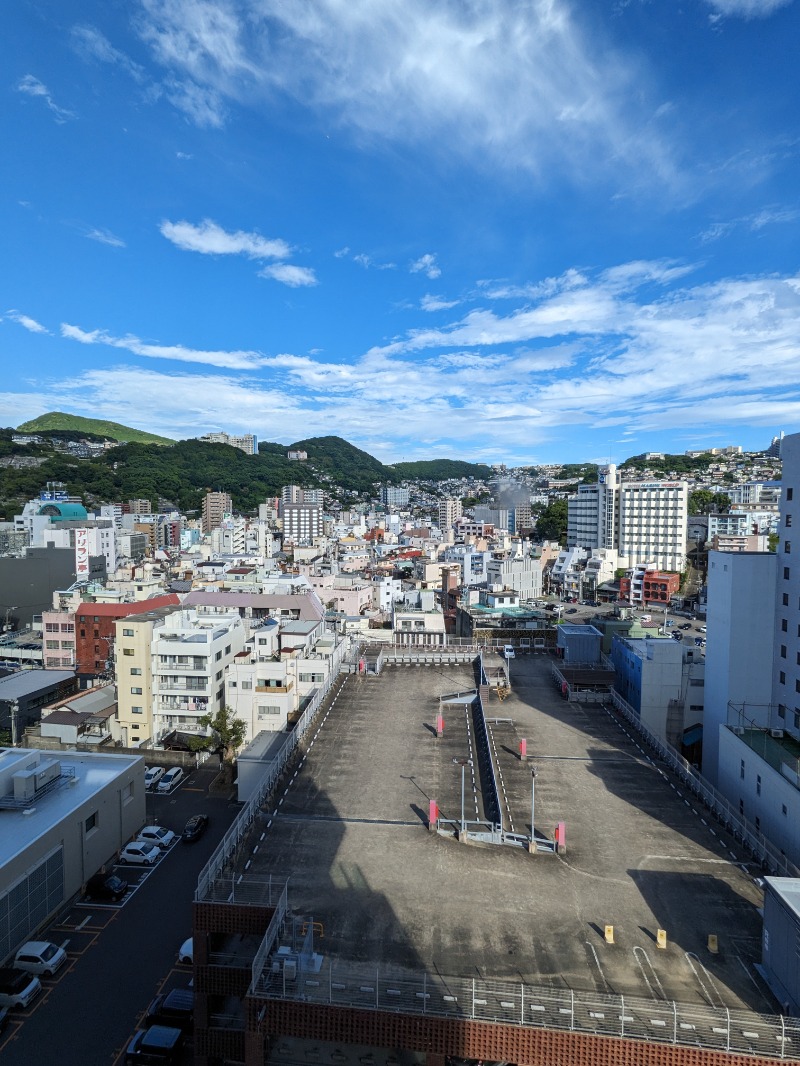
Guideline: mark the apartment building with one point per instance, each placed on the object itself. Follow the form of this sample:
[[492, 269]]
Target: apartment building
[[394, 496], [450, 510], [645, 521], [215, 506], [170, 666], [246, 442], [524, 575]]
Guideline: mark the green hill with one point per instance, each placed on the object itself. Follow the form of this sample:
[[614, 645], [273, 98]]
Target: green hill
[[58, 420], [345, 464], [441, 470]]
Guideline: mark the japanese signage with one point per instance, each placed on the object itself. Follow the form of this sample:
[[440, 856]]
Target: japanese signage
[[81, 553]]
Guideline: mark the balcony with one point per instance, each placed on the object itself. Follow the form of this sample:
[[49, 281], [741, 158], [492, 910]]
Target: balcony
[[166, 684], [276, 688], [199, 665]]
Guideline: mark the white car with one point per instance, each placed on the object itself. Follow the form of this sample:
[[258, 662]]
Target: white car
[[186, 953], [152, 775], [170, 779], [158, 835], [141, 852], [508, 652], [40, 957]]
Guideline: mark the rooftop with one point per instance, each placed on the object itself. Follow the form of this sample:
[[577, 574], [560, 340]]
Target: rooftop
[[350, 833], [24, 682], [775, 751]]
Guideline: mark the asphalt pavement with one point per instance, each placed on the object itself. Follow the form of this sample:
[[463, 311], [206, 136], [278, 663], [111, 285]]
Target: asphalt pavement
[[119, 958]]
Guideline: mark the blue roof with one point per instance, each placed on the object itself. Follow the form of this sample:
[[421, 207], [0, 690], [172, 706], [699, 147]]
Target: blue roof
[[63, 512]]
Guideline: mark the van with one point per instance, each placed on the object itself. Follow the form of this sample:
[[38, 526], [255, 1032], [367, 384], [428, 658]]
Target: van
[[171, 778]]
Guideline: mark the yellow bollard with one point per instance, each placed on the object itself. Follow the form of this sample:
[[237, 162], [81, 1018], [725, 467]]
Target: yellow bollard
[[713, 946], [609, 933], [661, 938]]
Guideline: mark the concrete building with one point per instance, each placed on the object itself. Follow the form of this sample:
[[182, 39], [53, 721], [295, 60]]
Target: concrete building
[[740, 620], [246, 442], [645, 521], [61, 818], [24, 693], [524, 575], [29, 583], [394, 496], [450, 510], [662, 682], [215, 506], [302, 522]]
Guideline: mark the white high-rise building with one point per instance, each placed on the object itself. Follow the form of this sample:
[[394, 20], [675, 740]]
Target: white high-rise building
[[645, 521], [450, 510]]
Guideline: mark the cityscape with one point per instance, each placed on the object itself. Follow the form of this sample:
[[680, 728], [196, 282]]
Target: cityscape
[[569, 681], [399, 616]]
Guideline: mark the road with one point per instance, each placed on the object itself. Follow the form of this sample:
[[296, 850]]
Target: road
[[120, 957]]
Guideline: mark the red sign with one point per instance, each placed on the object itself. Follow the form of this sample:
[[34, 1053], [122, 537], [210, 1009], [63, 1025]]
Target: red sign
[[81, 553]]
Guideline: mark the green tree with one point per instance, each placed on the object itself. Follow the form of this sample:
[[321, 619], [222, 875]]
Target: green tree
[[226, 737], [552, 522], [703, 501]]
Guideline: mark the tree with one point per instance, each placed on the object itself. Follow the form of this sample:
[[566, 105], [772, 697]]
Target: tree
[[552, 522], [705, 502], [226, 737]]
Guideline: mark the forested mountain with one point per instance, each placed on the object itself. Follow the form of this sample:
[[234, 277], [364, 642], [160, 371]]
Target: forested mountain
[[96, 427], [441, 470]]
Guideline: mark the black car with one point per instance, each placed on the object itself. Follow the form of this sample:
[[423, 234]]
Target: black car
[[159, 1043], [572, 610], [106, 886], [195, 828], [686, 625], [174, 1008]]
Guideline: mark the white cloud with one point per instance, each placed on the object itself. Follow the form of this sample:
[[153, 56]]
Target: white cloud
[[90, 43], [439, 73], [427, 265], [293, 276], [105, 236], [436, 303], [184, 155], [28, 323], [234, 360], [31, 86], [210, 239], [747, 9], [767, 216]]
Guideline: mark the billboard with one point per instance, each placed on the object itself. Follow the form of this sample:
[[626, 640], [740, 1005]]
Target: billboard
[[81, 553]]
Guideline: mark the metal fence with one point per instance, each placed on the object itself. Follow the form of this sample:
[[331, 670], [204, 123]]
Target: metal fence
[[215, 882], [754, 841], [518, 1004]]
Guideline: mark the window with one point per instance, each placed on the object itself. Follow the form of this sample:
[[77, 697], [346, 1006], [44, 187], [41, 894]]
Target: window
[[127, 632], [312, 677], [785, 599], [228, 650], [266, 712], [127, 651], [758, 784], [787, 520], [51, 644], [135, 691], [91, 822], [784, 625], [231, 684], [136, 671], [786, 573], [96, 618], [136, 710], [218, 656], [797, 721], [219, 675], [741, 769], [787, 547], [127, 792], [783, 810], [783, 651], [247, 684], [696, 682], [789, 493], [782, 678], [781, 711]]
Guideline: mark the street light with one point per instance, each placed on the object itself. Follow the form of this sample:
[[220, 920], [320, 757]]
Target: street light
[[534, 774], [463, 762], [8, 612]]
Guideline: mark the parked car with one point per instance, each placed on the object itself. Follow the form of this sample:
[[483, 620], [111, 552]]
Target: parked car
[[152, 775], [677, 636], [170, 779], [508, 651], [173, 1008], [158, 835], [195, 828], [699, 642], [159, 1043], [141, 852], [571, 610], [686, 625], [40, 957], [669, 623], [186, 952], [106, 886], [17, 988]]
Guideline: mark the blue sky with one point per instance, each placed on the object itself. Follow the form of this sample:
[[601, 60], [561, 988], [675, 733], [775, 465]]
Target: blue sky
[[516, 231]]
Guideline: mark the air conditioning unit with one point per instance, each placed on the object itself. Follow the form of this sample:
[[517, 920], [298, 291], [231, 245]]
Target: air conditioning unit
[[738, 730], [777, 733]]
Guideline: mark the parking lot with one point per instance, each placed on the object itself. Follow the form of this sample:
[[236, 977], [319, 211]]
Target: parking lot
[[120, 955]]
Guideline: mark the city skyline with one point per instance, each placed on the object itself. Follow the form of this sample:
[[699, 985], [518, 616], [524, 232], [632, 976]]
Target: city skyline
[[520, 233]]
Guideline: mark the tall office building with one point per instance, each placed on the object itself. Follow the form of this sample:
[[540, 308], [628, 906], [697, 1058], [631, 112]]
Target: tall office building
[[394, 496], [645, 521], [215, 506]]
